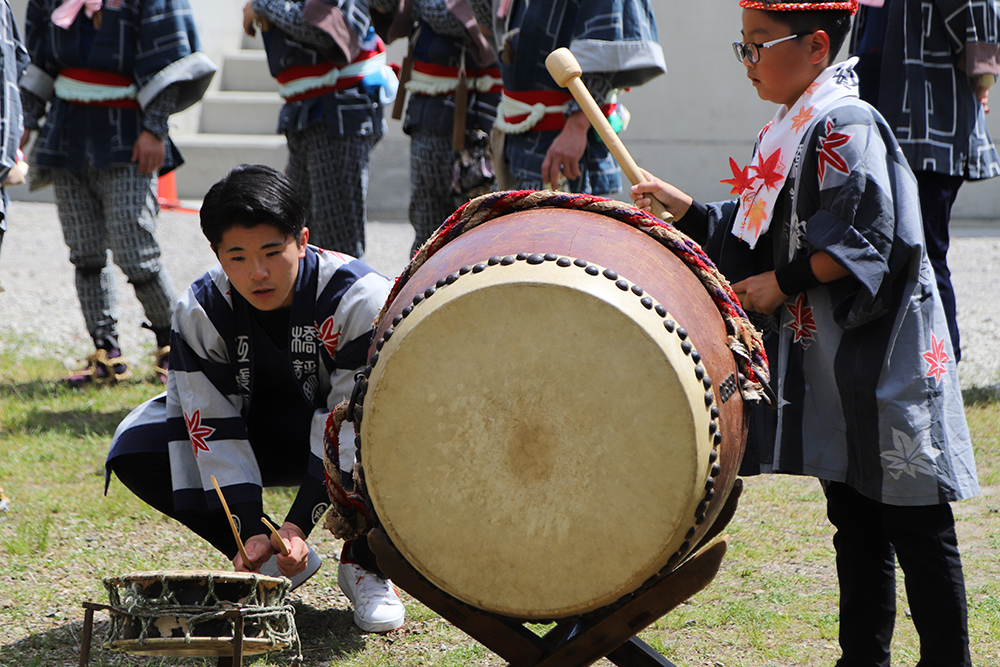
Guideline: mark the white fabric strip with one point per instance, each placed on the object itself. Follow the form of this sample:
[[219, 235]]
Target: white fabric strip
[[362, 69], [72, 90], [512, 107], [429, 84]]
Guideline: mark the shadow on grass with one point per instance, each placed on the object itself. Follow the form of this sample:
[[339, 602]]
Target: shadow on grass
[[30, 391], [981, 396], [78, 422], [325, 634]]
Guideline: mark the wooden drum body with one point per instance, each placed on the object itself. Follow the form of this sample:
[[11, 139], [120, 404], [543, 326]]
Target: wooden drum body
[[552, 415], [183, 613]]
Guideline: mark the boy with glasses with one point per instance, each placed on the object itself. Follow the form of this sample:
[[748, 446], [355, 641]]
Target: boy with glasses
[[825, 244]]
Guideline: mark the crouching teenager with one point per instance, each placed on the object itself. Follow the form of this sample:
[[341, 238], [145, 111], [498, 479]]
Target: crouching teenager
[[263, 346]]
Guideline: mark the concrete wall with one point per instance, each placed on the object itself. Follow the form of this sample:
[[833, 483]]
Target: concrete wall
[[685, 125]]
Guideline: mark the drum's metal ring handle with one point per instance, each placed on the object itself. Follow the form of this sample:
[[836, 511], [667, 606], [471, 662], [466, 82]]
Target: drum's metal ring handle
[[359, 379]]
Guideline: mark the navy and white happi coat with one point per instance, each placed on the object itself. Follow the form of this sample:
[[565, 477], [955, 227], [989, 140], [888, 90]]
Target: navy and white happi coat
[[868, 393], [616, 44], [210, 388], [152, 42], [14, 62], [443, 33], [301, 34], [931, 49]]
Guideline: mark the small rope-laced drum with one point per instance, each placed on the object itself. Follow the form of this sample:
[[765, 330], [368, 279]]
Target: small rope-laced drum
[[553, 412], [183, 613]]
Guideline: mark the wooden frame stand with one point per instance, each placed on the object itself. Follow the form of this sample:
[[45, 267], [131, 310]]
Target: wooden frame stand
[[234, 660], [609, 632]]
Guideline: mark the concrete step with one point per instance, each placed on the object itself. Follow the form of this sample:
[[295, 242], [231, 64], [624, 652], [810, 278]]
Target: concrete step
[[230, 112], [254, 42], [209, 157], [246, 70]]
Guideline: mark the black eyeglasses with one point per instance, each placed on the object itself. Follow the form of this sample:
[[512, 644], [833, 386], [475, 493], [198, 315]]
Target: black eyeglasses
[[751, 51]]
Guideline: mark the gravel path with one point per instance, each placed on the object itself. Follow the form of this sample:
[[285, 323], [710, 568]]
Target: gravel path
[[39, 312]]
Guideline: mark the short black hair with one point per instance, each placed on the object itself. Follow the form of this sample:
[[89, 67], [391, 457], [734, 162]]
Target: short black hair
[[251, 195], [834, 22]]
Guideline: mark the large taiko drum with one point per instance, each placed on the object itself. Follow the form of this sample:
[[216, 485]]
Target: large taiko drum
[[188, 613], [553, 411]]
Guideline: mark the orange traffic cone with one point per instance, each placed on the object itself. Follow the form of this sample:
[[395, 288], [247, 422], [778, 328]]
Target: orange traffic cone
[[166, 193]]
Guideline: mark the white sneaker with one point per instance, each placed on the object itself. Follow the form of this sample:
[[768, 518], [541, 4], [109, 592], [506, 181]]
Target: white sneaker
[[377, 608], [270, 568]]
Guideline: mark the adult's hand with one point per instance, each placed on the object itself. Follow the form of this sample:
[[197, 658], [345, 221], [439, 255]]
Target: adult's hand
[[563, 156], [148, 152], [250, 15], [982, 88]]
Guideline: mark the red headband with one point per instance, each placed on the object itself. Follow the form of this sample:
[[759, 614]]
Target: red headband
[[850, 5]]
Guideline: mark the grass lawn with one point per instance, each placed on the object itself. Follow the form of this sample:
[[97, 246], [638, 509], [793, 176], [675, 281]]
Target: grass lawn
[[773, 603]]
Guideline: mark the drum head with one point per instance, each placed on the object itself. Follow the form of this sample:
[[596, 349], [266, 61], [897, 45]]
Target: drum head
[[535, 440]]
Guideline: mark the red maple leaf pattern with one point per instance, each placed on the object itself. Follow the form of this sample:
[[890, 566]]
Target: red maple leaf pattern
[[197, 432], [329, 335], [802, 325], [769, 170], [741, 180], [937, 360], [756, 216], [802, 118], [828, 154]]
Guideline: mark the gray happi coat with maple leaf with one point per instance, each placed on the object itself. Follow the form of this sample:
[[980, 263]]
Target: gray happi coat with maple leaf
[[862, 367]]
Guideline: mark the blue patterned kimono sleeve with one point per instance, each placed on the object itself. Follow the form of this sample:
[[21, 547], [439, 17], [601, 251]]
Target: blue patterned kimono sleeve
[[15, 61], [618, 37], [168, 52], [866, 195], [41, 73]]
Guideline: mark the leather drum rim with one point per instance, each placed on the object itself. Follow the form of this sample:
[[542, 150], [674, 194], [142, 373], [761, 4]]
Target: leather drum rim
[[467, 482]]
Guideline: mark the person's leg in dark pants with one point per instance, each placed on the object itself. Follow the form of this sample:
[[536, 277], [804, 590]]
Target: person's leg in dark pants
[[148, 477], [937, 196], [927, 548], [867, 574]]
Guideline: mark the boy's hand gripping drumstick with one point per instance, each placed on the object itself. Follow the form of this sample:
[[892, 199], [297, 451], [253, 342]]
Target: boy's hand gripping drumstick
[[566, 71], [274, 531], [232, 524]]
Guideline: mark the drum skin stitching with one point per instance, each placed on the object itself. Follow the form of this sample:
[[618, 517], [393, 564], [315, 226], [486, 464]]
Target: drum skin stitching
[[624, 285]]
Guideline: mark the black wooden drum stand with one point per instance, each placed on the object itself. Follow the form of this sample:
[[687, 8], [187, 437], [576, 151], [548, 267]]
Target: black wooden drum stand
[[610, 632]]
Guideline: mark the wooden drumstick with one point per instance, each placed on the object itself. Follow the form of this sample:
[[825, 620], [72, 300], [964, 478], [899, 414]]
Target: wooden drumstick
[[566, 71], [274, 531], [232, 524]]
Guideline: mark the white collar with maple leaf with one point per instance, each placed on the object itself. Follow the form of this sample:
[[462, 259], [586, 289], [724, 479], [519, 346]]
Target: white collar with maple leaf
[[759, 183]]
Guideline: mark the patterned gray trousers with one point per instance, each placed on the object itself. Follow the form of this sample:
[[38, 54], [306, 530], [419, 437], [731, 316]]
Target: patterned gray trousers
[[114, 209], [432, 160], [331, 174]]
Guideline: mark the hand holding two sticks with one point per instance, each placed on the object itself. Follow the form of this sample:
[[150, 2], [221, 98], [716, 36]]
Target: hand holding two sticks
[[289, 542]]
